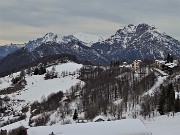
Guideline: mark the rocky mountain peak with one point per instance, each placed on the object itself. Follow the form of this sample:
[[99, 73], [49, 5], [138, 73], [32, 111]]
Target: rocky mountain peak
[[131, 28], [86, 39], [138, 29], [141, 41], [50, 37]]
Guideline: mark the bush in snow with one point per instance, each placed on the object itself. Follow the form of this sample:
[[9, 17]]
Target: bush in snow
[[18, 131]]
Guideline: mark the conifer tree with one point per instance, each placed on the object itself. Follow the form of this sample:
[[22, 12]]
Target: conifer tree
[[168, 58], [170, 98], [161, 106], [75, 116], [167, 99], [36, 71], [177, 104]]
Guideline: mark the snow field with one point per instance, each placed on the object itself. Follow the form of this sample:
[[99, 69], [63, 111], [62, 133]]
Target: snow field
[[120, 127], [164, 125], [37, 86]]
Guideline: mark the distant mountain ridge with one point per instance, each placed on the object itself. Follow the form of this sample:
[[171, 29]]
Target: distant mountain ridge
[[86, 39], [6, 49], [129, 43]]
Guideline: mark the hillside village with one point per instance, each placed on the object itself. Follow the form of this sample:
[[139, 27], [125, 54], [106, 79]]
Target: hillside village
[[97, 93]]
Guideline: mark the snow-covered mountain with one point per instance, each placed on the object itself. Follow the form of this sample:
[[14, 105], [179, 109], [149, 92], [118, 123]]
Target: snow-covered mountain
[[35, 51], [49, 37], [31, 45], [6, 49], [129, 43], [138, 42], [86, 39]]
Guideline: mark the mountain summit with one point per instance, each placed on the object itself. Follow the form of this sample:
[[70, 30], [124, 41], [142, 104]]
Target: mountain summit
[[86, 39], [138, 42], [50, 37]]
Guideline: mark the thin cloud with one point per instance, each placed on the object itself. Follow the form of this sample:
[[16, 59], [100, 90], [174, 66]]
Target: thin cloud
[[34, 18]]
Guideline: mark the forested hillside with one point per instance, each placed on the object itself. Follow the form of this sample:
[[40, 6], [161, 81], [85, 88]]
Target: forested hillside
[[65, 92]]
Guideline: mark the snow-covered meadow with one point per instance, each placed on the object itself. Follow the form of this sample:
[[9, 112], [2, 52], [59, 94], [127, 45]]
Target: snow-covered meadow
[[37, 86]]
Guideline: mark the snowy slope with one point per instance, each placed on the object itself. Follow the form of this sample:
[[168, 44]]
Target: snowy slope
[[5, 82], [160, 125], [122, 127], [49, 37], [164, 125], [88, 39], [37, 87], [162, 76]]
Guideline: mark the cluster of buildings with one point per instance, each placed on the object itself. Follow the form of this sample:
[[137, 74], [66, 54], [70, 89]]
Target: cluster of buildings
[[167, 65], [135, 65], [164, 65]]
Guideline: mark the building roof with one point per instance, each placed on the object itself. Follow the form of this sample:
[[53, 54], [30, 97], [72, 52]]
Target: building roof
[[171, 65], [160, 61], [99, 118]]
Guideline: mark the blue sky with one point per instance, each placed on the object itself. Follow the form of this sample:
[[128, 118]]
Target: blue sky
[[23, 20]]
